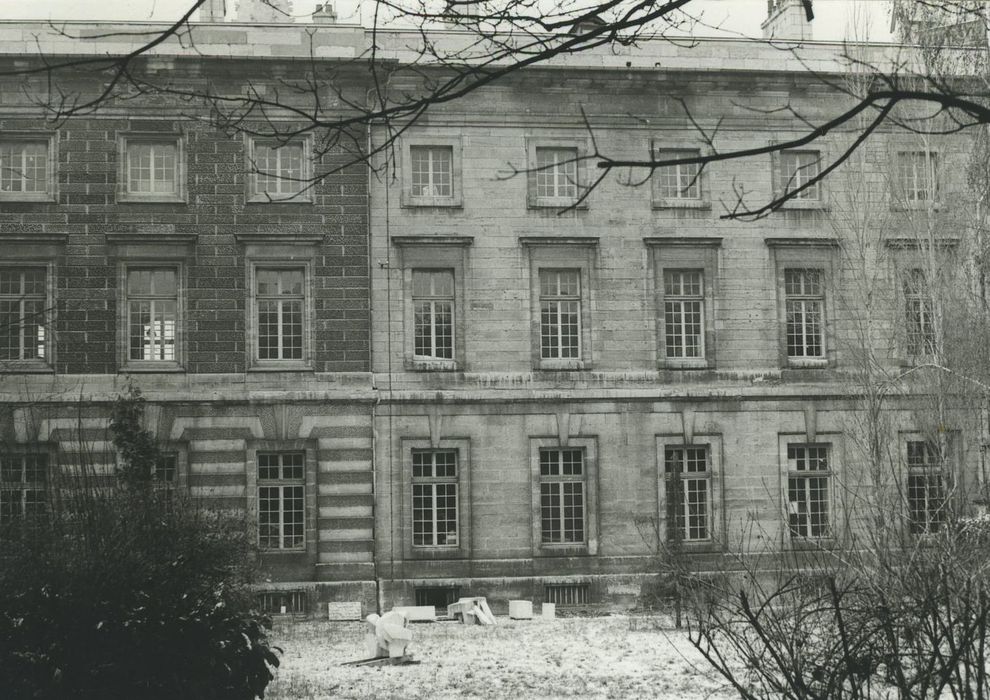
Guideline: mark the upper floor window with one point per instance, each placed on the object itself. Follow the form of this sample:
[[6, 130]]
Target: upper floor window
[[683, 314], [433, 306], [556, 174], [796, 169], [688, 475], [281, 500], [918, 176], [152, 314], [926, 498], [681, 181], [432, 171], [808, 491], [280, 303], [434, 494], [279, 171], [26, 168], [152, 168], [562, 496], [920, 328], [24, 312], [560, 314], [804, 297], [23, 479]]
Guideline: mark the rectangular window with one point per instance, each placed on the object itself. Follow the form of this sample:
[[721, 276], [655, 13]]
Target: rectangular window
[[683, 314], [920, 329], [281, 500], [796, 169], [283, 602], [918, 176], [434, 498], [23, 480], [433, 307], [562, 501], [153, 168], [804, 297], [280, 300], [564, 594], [432, 171], [152, 314], [681, 181], [926, 498], [24, 168], [23, 314], [556, 173], [165, 469], [689, 488], [808, 490], [560, 314], [279, 171]]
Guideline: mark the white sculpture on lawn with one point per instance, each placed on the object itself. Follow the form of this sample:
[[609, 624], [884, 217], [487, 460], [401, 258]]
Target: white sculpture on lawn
[[388, 635]]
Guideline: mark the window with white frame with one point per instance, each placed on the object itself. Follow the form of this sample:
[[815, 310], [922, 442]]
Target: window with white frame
[[24, 312], [165, 470], [433, 307], [683, 314], [25, 168], [796, 169], [23, 489], [918, 176], [281, 500], [804, 299], [434, 494], [688, 474], [152, 168], [926, 498], [560, 314], [280, 301], [808, 490], [279, 170], [919, 321], [556, 174], [562, 496], [152, 314], [681, 181], [432, 171]]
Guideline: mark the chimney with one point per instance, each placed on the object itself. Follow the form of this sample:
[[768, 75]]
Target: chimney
[[786, 20], [325, 14], [213, 11]]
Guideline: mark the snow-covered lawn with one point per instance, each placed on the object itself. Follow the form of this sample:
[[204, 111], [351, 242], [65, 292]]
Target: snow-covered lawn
[[602, 657]]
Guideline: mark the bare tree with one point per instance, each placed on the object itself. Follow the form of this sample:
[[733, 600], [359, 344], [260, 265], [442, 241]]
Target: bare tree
[[407, 66]]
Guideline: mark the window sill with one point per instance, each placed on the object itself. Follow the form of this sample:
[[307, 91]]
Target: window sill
[[563, 365], [431, 202], [916, 206], [150, 367], [568, 550], [293, 367], [804, 544], [557, 203], [417, 365], [804, 205], [25, 367], [28, 197], [669, 363], [276, 552], [700, 204], [807, 363], [150, 199]]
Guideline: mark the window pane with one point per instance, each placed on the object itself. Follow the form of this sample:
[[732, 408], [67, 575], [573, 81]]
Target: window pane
[[795, 169], [680, 181], [556, 173], [431, 171], [24, 166]]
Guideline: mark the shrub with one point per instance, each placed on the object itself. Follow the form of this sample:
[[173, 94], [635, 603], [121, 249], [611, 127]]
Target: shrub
[[124, 590]]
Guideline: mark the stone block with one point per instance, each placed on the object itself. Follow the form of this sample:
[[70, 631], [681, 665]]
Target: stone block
[[520, 610]]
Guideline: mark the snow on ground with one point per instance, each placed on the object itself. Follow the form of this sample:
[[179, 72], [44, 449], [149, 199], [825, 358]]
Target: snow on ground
[[599, 657]]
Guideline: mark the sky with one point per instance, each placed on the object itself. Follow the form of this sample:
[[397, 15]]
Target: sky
[[833, 18]]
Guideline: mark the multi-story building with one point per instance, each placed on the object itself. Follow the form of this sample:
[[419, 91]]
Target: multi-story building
[[454, 372], [569, 385], [138, 244]]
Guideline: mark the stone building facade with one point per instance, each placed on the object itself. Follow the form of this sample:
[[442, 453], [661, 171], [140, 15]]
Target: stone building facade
[[452, 373], [138, 244]]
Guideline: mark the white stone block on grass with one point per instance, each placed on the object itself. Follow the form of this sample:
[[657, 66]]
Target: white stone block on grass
[[549, 611], [418, 613], [520, 610]]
